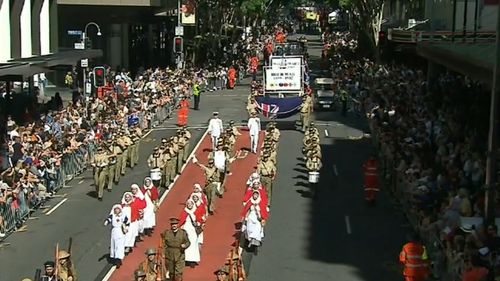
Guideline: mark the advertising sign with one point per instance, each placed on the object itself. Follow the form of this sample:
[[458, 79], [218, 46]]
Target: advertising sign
[[283, 78], [279, 61]]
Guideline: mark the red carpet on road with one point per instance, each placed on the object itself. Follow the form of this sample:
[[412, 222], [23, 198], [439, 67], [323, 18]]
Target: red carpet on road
[[219, 229]]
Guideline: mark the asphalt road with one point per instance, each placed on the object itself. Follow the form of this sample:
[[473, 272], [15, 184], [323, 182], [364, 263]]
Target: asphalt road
[[334, 236], [81, 216]]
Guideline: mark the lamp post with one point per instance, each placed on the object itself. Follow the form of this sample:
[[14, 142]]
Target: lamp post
[[84, 39]]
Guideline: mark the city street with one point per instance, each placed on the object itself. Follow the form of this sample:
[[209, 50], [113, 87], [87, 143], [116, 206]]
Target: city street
[[335, 236], [81, 216]]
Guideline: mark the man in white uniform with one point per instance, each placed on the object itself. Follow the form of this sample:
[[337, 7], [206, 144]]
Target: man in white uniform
[[254, 130], [215, 129]]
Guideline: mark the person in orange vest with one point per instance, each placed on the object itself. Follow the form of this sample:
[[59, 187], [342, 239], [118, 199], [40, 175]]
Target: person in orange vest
[[232, 77], [182, 115], [415, 260], [370, 169], [254, 65]]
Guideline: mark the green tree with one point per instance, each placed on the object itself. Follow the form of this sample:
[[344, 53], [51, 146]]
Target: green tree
[[366, 18]]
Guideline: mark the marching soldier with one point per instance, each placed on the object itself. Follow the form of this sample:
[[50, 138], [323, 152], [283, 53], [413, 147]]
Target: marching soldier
[[66, 270], [267, 172], [187, 137], [154, 268], [124, 146], [313, 163], [136, 139], [117, 151], [252, 106], [155, 162], [276, 132], [100, 162], [176, 241], [212, 183], [130, 149], [305, 112], [50, 272], [181, 142], [111, 164], [174, 154]]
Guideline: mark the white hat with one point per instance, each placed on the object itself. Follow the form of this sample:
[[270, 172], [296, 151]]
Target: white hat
[[197, 186], [134, 186]]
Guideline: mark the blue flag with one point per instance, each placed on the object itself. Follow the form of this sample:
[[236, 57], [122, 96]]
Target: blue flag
[[279, 107]]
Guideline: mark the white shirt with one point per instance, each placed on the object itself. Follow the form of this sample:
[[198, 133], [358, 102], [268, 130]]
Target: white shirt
[[220, 159], [254, 126], [215, 127]]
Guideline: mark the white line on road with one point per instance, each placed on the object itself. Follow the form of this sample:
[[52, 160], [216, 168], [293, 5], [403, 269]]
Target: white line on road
[[335, 170], [110, 272], [326, 133], [56, 206], [80, 182], [348, 225]]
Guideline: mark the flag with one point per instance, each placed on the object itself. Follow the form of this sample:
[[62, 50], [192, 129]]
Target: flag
[[279, 107]]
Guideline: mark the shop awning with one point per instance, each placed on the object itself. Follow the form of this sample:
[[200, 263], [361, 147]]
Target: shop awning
[[475, 60]]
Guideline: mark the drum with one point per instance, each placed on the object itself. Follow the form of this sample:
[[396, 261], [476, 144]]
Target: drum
[[313, 177], [155, 174]]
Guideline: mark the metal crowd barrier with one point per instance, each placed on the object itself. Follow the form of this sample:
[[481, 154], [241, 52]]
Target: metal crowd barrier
[[16, 211]]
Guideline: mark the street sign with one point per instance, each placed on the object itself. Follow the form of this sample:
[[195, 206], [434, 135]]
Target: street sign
[[179, 31], [79, 46], [88, 88], [84, 62], [75, 32]]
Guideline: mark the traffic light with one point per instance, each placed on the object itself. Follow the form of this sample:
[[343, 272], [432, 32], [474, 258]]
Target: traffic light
[[99, 76], [178, 44]]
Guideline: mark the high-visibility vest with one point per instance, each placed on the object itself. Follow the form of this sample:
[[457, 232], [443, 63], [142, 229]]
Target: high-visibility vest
[[371, 169], [196, 90], [415, 259]]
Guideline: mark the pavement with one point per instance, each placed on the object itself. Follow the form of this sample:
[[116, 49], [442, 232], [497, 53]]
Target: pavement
[[336, 235], [76, 213]]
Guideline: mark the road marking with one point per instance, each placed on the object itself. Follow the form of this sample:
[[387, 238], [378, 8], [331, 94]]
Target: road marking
[[348, 225], [80, 182], [335, 170], [164, 196], [56, 206], [23, 228], [110, 272], [326, 133]]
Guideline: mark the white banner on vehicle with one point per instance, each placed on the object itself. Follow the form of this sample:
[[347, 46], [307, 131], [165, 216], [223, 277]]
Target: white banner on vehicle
[[279, 61], [284, 78]]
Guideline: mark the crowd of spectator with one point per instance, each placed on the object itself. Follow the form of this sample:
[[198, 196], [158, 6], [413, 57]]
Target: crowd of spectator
[[432, 141]]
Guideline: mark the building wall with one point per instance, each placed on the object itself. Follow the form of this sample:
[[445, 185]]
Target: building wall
[[25, 28], [440, 12]]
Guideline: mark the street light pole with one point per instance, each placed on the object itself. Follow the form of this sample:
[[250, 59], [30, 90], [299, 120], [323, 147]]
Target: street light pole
[[84, 39], [179, 24], [491, 160]]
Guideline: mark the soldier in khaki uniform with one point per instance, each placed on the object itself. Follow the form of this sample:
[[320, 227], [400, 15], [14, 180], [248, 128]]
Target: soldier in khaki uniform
[[100, 163], [154, 268], [267, 172], [130, 149], [172, 164], [251, 106], [313, 164], [181, 143], [223, 273], [66, 270], [174, 154], [155, 161], [305, 112], [212, 183], [187, 137], [136, 139], [117, 151], [176, 241], [111, 164], [124, 146]]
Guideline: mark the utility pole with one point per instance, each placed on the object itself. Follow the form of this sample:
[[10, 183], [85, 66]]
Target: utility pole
[[179, 24], [491, 160]]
